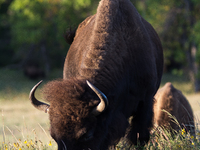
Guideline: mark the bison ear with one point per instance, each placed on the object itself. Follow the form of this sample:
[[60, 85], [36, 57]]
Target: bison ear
[[36, 103], [69, 35], [103, 100]]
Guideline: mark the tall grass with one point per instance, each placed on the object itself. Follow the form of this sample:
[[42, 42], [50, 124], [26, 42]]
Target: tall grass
[[24, 127], [167, 138], [29, 140], [162, 138]]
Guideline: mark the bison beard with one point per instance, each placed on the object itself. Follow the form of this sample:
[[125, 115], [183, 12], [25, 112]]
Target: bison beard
[[112, 71]]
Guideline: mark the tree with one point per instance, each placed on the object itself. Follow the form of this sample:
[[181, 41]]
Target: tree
[[177, 25], [38, 28], [5, 37]]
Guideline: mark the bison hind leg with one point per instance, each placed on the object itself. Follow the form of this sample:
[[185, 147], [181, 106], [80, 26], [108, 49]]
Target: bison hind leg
[[138, 132], [136, 138]]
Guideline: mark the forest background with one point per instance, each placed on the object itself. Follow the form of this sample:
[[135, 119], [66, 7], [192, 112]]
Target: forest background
[[32, 32]]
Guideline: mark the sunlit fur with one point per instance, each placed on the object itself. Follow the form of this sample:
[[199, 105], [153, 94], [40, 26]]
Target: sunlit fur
[[169, 99]]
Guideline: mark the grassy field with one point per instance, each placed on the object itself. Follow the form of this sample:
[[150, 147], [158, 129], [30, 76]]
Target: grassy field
[[21, 125], [24, 127]]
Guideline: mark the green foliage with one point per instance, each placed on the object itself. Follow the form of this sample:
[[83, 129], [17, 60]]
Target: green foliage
[[43, 23], [29, 19], [5, 48], [1, 1]]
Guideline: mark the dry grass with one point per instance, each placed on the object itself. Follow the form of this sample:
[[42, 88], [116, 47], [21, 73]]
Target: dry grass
[[23, 125]]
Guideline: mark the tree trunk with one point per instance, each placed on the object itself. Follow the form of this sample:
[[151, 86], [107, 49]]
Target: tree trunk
[[193, 67], [192, 49]]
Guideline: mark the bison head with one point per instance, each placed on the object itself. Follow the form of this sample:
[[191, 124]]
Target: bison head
[[74, 112]]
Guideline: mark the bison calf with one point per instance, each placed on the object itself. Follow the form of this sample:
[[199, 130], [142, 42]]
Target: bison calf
[[173, 101]]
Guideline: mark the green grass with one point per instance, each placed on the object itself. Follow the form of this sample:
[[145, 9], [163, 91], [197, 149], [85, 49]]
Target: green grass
[[180, 82], [23, 126], [14, 86]]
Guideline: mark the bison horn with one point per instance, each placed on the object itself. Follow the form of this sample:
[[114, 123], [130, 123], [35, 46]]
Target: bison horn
[[104, 101], [37, 104]]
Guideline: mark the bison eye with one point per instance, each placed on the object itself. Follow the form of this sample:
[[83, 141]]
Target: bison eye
[[86, 137]]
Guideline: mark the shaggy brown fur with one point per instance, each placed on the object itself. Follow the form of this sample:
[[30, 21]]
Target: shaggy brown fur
[[121, 54], [69, 103], [70, 115], [173, 101]]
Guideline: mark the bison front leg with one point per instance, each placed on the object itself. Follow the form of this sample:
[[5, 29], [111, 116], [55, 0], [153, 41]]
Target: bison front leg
[[141, 123]]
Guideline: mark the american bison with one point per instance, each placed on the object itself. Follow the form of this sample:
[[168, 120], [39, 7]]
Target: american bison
[[112, 72], [174, 103]]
